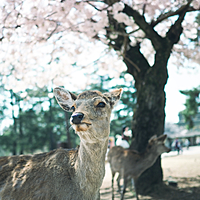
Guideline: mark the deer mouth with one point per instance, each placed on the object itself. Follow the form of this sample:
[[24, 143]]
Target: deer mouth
[[83, 126], [87, 123]]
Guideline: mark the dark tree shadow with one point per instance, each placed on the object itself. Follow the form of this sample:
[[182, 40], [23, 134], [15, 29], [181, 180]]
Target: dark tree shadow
[[186, 189]]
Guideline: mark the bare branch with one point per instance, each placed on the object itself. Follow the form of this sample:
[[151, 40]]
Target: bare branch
[[124, 55], [166, 15], [132, 63], [53, 31], [147, 28], [143, 9], [173, 35], [49, 15], [123, 34], [96, 7], [1, 38]]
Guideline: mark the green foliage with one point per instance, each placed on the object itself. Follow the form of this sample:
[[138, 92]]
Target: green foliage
[[123, 112], [35, 128], [7, 141], [40, 123], [3, 106], [192, 104], [197, 39]]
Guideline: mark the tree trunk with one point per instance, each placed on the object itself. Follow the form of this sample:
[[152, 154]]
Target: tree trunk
[[21, 135], [67, 130], [149, 115], [52, 144], [14, 133], [14, 129], [149, 120]]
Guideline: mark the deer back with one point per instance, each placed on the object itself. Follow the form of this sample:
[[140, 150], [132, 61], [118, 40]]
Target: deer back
[[31, 177]]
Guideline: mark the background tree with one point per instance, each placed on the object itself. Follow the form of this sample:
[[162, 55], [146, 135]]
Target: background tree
[[192, 102], [191, 106], [2, 106], [39, 123], [128, 27], [34, 126], [123, 113]]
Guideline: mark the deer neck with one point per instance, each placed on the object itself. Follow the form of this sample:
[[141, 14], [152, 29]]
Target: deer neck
[[151, 155], [147, 159], [90, 164]]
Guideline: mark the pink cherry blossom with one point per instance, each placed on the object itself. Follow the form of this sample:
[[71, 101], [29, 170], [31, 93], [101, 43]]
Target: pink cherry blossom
[[41, 40]]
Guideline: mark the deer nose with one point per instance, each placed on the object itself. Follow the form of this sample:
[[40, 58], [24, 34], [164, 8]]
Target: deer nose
[[77, 117]]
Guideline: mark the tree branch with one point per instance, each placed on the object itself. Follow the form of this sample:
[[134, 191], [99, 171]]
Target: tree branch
[[164, 16], [123, 34], [124, 54], [132, 63], [173, 35], [148, 29], [53, 31]]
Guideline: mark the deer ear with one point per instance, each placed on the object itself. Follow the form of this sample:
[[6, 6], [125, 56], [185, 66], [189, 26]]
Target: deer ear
[[64, 98], [162, 138], [114, 96], [152, 139]]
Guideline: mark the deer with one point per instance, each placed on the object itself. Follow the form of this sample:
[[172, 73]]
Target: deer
[[131, 164], [65, 174]]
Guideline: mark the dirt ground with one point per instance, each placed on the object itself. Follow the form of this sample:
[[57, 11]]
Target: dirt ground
[[183, 169]]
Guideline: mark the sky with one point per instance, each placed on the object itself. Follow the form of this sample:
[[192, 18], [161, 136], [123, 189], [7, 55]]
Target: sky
[[179, 79]]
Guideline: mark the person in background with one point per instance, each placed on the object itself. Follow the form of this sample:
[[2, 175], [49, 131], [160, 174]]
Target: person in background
[[178, 146], [123, 139], [187, 143]]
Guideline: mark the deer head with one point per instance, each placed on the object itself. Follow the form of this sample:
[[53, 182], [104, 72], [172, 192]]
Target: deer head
[[91, 111], [157, 143]]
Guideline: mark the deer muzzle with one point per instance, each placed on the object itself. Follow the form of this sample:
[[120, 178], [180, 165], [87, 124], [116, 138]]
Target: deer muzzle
[[76, 118]]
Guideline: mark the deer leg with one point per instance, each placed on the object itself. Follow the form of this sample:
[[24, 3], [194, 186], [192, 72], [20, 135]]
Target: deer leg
[[135, 186], [113, 175], [124, 188], [132, 183], [118, 183], [98, 197]]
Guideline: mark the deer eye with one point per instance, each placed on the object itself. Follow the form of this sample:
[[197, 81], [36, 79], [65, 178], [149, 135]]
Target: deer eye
[[73, 108], [101, 105]]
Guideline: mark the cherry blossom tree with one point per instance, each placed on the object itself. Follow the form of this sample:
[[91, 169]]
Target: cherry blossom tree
[[49, 40]]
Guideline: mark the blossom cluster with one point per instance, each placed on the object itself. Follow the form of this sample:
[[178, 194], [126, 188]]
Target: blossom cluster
[[46, 41]]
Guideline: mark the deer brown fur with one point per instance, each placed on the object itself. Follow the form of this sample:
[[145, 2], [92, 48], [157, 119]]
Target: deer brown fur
[[62, 174], [131, 163]]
